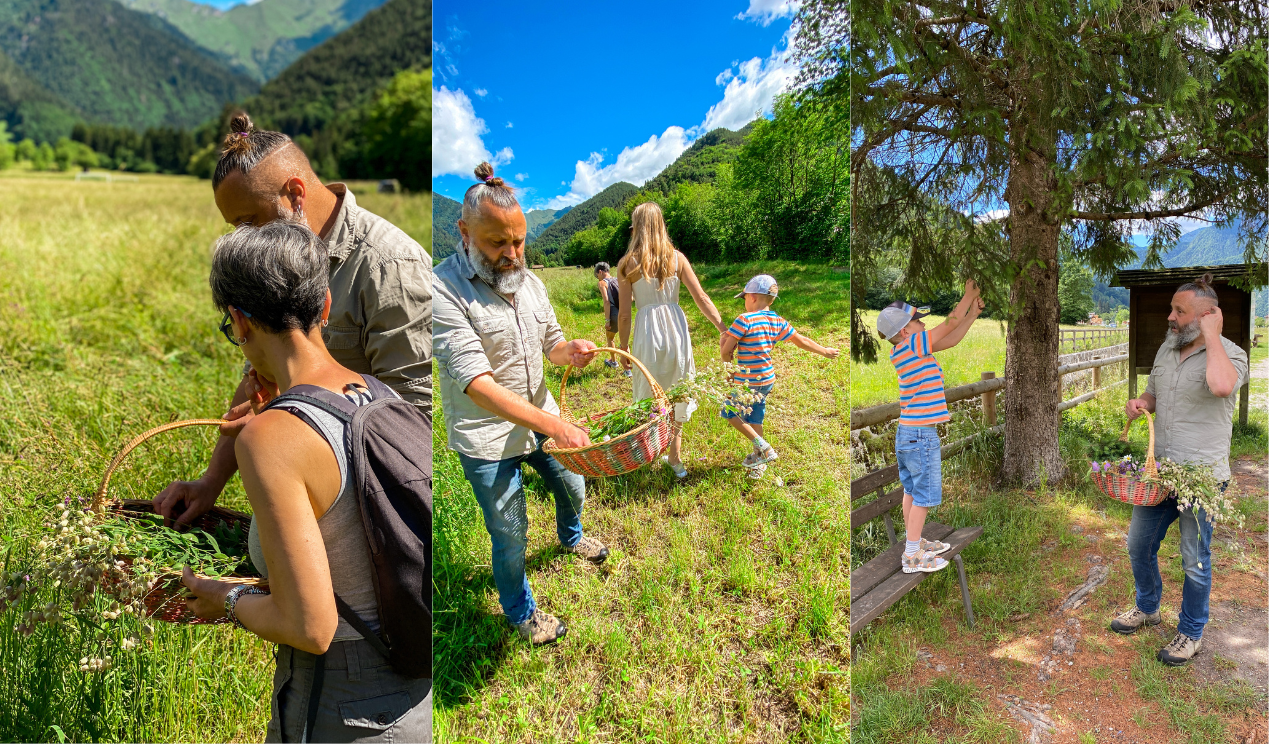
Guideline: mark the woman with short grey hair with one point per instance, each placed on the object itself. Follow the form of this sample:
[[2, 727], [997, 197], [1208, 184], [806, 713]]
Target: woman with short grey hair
[[307, 535]]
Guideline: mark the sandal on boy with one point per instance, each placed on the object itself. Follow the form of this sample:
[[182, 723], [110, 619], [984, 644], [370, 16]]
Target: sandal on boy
[[934, 547], [680, 470], [922, 562]]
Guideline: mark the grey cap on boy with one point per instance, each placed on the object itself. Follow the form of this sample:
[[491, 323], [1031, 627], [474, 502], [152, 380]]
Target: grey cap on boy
[[897, 315], [761, 284]]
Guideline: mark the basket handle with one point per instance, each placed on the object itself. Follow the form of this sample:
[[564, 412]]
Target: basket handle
[[1151, 468], [657, 392], [99, 500]]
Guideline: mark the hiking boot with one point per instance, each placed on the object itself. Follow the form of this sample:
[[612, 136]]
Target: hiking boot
[[1131, 621], [590, 549], [934, 547], [1180, 650], [541, 629], [922, 562]]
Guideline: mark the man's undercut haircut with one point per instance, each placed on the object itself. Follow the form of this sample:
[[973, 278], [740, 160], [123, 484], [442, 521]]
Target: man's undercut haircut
[[602, 266], [245, 148], [490, 190], [278, 272], [1202, 289]]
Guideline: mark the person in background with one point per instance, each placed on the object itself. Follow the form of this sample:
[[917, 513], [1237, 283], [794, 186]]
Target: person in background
[[608, 292], [380, 283]]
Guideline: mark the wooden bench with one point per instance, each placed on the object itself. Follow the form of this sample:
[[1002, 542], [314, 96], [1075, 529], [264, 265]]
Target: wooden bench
[[881, 581]]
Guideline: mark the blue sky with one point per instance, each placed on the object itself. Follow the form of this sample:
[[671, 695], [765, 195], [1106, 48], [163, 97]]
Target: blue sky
[[568, 98]]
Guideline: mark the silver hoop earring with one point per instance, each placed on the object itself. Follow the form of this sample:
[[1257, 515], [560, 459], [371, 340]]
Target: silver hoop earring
[[242, 340], [325, 323]]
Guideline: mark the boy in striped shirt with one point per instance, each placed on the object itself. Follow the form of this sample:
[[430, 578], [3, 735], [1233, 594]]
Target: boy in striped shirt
[[751, 339], [922, 407]]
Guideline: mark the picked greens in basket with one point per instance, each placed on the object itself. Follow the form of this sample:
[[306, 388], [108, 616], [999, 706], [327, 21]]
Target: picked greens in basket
[[712, 384], [117, 559]]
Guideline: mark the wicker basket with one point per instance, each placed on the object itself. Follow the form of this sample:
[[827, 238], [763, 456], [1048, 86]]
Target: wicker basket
[[1133, 490], [622, 454], [165, 600]]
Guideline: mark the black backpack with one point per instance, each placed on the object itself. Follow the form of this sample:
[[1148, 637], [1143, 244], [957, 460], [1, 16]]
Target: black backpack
[[389, 446]]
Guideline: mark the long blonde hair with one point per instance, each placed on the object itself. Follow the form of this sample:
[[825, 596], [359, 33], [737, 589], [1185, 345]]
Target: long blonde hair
[[651, 254]]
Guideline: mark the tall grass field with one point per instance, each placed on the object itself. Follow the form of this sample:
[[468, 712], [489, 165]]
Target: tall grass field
[[106, 329], [721, 613]]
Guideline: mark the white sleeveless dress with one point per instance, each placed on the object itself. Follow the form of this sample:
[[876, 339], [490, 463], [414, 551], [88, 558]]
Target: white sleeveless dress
[[660, 340]]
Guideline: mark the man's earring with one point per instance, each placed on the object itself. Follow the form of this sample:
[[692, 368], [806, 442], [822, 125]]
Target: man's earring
[[325, 323], [242, 340]]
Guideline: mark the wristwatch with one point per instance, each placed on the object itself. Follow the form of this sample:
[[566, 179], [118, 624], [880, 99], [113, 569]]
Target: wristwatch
[[231, 601]]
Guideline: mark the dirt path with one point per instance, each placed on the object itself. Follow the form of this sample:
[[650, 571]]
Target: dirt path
[[1260, 371], [1062, 674]]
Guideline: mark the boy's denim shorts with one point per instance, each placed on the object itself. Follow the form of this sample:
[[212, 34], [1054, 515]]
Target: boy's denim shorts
[[759, 410], [920, 464]]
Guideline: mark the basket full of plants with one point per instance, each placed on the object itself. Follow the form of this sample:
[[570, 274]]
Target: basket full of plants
[[627, 438], [1124, 477], [120, 554]]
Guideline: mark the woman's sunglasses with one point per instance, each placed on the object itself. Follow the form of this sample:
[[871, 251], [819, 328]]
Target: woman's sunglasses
[[226, 326]]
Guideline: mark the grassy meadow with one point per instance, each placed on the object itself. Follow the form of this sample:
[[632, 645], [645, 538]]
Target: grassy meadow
[[919, 674], [107, 329], [721, 614]]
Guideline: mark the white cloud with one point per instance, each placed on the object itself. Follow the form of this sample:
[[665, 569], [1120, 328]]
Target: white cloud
[[766, 11], [750, 91], [991, 215], [521, 176], [634, 164], [481, 92], [457, 147], [510, 125]]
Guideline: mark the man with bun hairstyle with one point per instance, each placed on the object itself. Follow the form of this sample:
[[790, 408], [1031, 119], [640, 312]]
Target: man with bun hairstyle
[[380, 319], [494, 324], [1191, 389]]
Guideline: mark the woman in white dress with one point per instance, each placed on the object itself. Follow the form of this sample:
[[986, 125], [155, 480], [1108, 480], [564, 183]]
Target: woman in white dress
[[651, 273]]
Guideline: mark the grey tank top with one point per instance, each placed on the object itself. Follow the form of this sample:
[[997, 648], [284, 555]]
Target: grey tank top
[[342, 532]]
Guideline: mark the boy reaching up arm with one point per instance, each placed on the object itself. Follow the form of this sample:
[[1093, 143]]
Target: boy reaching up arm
[[750, 340], [922, 407]]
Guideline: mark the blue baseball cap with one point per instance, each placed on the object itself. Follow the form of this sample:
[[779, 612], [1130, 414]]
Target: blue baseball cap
[[897, 315]]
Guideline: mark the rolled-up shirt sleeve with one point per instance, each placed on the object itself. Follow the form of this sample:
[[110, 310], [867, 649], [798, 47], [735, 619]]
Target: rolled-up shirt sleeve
[[459, 353], [398, 329], [554, 335]]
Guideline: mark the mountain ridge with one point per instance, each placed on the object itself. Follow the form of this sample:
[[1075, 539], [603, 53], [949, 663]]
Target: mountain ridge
[[259, 39]]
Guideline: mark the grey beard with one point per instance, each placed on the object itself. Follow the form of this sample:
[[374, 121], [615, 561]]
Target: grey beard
[[1179, 338], [504, 281]]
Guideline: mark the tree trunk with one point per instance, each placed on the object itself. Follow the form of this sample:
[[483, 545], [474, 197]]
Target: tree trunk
[[1033, 388]]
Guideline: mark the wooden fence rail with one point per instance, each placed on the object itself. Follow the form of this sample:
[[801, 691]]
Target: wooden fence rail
[[1078, 337]]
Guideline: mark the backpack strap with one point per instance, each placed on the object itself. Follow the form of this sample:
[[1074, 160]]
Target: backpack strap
[[347, 613]]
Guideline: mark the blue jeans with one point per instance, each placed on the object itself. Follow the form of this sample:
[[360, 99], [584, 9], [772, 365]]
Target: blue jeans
[[917, 450], [1149, 527], [499, 488], [758, 412]]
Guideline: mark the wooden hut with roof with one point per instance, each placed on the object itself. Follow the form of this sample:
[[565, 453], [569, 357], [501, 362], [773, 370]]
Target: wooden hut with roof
[[1150, 303]]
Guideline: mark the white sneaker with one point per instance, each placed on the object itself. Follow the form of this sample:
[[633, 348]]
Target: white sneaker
[[680, 470]]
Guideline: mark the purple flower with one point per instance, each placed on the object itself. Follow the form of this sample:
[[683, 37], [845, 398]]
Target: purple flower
[[1096, 468]]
